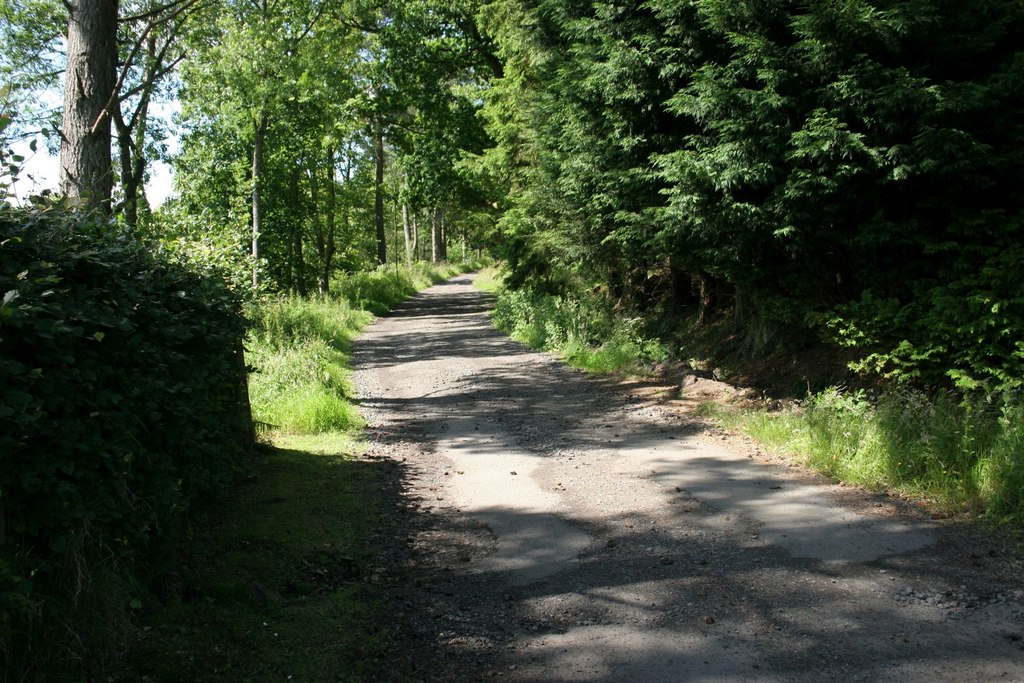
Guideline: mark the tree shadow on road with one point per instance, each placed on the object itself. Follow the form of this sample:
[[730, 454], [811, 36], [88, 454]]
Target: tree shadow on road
[[691, 591]]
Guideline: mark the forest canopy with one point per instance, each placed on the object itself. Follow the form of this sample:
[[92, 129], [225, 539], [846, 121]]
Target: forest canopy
[[839, 173]]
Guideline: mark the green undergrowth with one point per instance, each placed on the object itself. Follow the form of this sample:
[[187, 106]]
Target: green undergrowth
[[299, 347], [962, 455], [299, 352], [586, 332], [381, 290]]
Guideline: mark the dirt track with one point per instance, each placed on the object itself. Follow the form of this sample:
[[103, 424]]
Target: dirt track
[[559, 527]]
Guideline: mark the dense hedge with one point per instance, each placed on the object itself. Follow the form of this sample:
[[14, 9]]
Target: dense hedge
[[121, 406]]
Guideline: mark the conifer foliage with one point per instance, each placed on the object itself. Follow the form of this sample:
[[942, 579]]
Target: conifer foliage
[[848, 168]]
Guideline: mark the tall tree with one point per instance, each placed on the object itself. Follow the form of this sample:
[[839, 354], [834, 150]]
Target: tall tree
[[378, 189], [86, 173], [249, 60], [151, 47]]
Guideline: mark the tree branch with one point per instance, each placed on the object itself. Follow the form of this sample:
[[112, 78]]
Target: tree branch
[[178, 7], [312, 22], [157, 75], [153, 12]]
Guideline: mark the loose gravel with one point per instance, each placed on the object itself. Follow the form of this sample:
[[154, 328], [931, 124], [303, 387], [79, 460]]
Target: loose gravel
[[553, 526]]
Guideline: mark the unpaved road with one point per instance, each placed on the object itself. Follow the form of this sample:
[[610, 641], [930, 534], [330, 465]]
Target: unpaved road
[[559, 527]]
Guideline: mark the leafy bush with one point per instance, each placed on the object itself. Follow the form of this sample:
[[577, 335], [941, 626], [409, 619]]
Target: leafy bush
[[121, 408], [582, 328]]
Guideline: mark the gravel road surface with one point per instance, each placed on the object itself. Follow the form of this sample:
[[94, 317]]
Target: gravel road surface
[[553, 526]]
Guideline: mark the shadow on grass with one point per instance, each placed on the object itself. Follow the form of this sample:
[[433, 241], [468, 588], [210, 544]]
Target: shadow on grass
[[276, 585]]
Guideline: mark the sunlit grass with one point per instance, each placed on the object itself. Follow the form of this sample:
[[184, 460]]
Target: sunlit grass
[[298, 348], [585, 332], [489, 279], [380, 290], [964, 456]]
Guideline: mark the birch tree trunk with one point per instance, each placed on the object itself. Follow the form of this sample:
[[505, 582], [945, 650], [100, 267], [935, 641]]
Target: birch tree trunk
[[298, 260], [332, 204], [435, 247], [86, 171], [378, 204], [408, 233], [440, 247], [415, 236], [257, 195]]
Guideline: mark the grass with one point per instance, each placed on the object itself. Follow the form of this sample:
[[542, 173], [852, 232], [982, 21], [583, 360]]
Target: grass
[[299, 348], [380, 290], [964, 456], [274, 586], [585, 332], [489, 279]]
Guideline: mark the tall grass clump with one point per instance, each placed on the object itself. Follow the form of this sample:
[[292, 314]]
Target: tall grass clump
[[966, 454], [583, 329], [298, 348]]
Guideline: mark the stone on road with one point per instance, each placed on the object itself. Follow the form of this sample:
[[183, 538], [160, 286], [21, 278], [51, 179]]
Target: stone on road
[[562, 529]]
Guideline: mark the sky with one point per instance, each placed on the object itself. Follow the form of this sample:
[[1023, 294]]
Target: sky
[[40, 171]]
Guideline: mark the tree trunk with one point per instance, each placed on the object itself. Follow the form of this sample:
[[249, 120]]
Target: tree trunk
[[378, 205], [332, 204], [704, 300], [408, 233], [328, 260], [257, 200], [346, 212], [435, 247], [125, 156], [299, 261], [86, 170], [131, 142], [415, 236], [324, 232], [440, 248]]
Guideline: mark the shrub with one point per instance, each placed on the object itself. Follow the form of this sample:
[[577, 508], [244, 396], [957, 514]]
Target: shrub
[[121, 408]]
